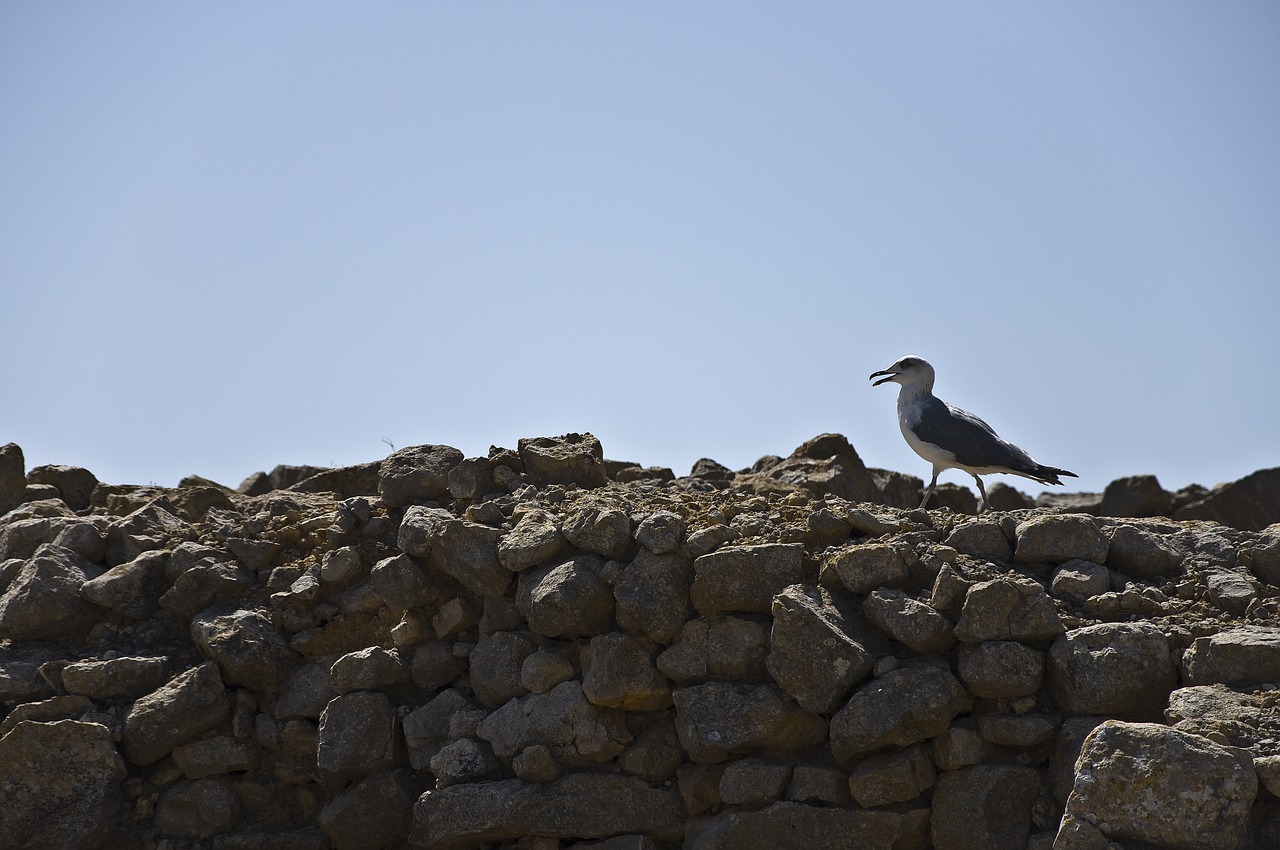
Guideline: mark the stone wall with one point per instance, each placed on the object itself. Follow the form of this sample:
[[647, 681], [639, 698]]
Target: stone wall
[[543, 649]]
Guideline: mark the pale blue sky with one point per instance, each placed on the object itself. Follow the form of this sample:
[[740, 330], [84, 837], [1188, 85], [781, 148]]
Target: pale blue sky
[[240, 234]]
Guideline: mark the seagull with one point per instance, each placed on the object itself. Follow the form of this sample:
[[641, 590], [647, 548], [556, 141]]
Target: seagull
[[951, 438]]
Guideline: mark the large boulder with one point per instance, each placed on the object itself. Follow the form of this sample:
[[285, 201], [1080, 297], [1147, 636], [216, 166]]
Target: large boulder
[[818, 651], [44, 599], [904, 706], [595, 525], [570, 599], [250, 651], [1014, 608], [984, 807], [1249, 655], [132, 589], [652, 596], [1148, 784], [576, 732], [416, 474], [1252, 503], [717, 720], [75, 484], [13, 477], [358, 737], [376, 813], [618, 672], [1054, 538], [465, 551], [1116, 669], [745, 578], [61, 786], [570, 459], [192, 702]]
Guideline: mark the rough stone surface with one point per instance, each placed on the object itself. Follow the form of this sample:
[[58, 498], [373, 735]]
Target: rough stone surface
[[861, 568], [909, 621], [818, 652], [374, 814], [43, 599], [1139, 553], [577, 732], [358, 737], [128, 677], [652, 596], [250, 651], [1008, 609], [1057, 538], [902, 707], [192, 702], [717, 720], [1120, 669], [567, 600], [795, 826], [1249, 655], [535, 539], [619, 672], [745, 578], [571, 459], [599, 527], [1143, 782], [984, 807], [997, 669], [889, 778], [416, 474]]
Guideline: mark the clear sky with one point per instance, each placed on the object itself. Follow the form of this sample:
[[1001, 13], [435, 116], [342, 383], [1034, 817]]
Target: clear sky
[[238, 234]]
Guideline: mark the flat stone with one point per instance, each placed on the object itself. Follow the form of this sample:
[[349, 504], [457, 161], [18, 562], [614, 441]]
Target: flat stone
[[903, 707], [997, 669], [192, 702], [1249, 655], [1008, 609], [652, 596], [745, 578], [1116, 669], [1057, 538], [718, 720], [863, 567]]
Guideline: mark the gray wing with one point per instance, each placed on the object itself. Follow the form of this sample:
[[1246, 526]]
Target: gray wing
[[971, 440]]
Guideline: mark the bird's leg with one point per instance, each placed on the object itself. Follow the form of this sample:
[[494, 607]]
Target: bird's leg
[[986, 506], [928, 491]]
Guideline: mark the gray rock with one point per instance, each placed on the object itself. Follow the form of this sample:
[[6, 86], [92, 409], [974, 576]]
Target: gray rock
[[61, 786], [374, 814], [652, 596], [204, 584], [153, 526], [536, 764], [20, 538], [745, 578], [597, 526], [655, 754], [75, 484], [436, 664], [115, 678], [949, 591], [910, 622], [370, 669], [818, 652], [1013, 608], [416, 474], [250, 651], [496, 664], [570, 459], [1117, 669], [44, 600], [897, 777], [579, 805], [132, 589], [567, 600], [903, 707], [956, 748], [795, 826], [576, 732], [464, 760], [981, 538], [753, 782], [1266, 557], [426, 727], [618, 672], [465, 551], [863, 567], [727, 648], [717, 720], [1224, 716], [1135, 496], [192, 702], [306, 690], [13, 476], [1018, 730], [402, 583], [535, 539], [215, 756], [819, 783], [1139, 553], [984, 807], [1056, 538], [1143, 782], [661, 532], [1062, 764], [1231, 590], [997, 669], [200, 809], [1075, 581], [543, 670], [1250, 504], [1249, 655], [357, 737]]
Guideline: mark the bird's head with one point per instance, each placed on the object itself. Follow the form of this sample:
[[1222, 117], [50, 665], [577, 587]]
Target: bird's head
[[906, 371]]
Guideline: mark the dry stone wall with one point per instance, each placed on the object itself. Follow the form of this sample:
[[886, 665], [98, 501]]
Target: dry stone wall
[[542, 649]]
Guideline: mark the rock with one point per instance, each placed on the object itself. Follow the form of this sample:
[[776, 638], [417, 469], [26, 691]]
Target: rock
[[1056, 538], [472, 478], [132, 589], [153, 526], [652, 596], [535, 539], [567, 600], [464, 760], [496, 665], [1002, 497], [256, 556], [753, 782], [250, 651], [576, 732], [369, 669], [984, 807], [1062, 764], [571, 459], [200, 809], [190, 703], [981, 538], [374, 814], [61, 786], [864, 567], [20, 679], [402, 584], [215, 756], [306, 690], [910, 622], [536, 764], [579, 805], [543, 670], [661, 532], [1266, 557], [344, 482], [794, 826], [818, 652], [997, 669], [1141, 554], [466, 551], [1143, 782], [1075, 581], [597, 526], [127, 678], [1018, 730], [904, 706], [1224, 716], [1250, 504], [727, 648], [828, 465], [892, 777], [435, 665], [44, 600], [745, 578], [1008, 609], [341, 566], [1135, 496], [202, 585], [956, 748], [618, 672], [717, 720], [1231, 591], [13, 476], [416, 474], [75, 484], [819, 783], [426, 728], [1249, 655], [1116, 669], [655, 754], [358, 737]]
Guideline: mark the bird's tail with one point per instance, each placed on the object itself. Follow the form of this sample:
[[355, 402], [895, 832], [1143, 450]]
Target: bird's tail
[[1047, 474]]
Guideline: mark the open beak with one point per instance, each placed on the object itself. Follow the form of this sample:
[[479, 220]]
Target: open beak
[[888, 373]]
